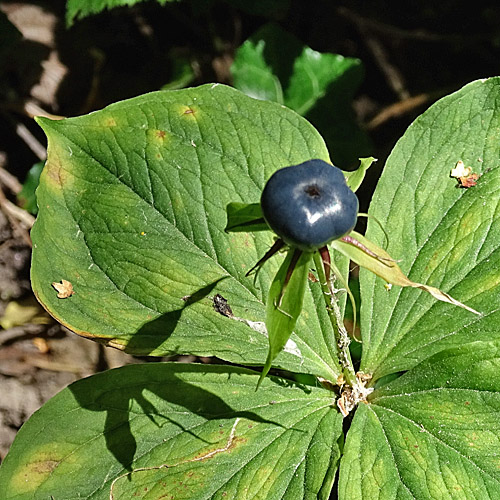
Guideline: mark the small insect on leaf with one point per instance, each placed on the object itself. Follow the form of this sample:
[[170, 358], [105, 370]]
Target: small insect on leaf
[[221, 306], [64, 289]]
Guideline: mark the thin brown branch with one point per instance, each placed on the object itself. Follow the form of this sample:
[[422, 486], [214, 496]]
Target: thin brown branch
[[401, 108], [31, 141], [9, 181], [397, 109]]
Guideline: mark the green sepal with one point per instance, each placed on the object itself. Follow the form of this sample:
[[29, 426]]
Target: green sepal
[[356, 177], [284, 304], [379, 262]]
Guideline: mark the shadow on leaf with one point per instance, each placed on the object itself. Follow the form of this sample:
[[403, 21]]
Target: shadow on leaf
[[154, 333], [118, 391]]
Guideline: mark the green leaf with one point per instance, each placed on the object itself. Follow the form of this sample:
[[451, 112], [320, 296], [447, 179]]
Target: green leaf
[[272, 64], [356, 177], [313, 73], [432, 433], [284, 303], [132, 213], [253, 75], [245, 217], [445, 236], [27, 196], [182, 73], [78, 9], [187, 431]]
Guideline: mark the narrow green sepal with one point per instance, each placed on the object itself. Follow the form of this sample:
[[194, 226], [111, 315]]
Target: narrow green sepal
[[356, 177], [284, 304], [370, 256]]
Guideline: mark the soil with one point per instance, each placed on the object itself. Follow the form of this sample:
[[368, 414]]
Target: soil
[[412, 56]]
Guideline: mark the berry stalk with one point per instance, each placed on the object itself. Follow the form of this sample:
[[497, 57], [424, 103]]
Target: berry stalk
[[340, 346]]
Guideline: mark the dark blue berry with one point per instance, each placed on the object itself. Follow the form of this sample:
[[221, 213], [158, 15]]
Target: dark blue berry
[[309, 205]]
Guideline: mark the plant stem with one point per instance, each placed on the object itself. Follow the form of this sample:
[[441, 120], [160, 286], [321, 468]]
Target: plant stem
[[342, 340]]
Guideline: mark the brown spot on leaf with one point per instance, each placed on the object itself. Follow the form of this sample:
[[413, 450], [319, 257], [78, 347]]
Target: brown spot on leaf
[[469, 181], [44, 467], [190, 111], [64, 289], [160, 134], [466, 178], [34, 470], [55, 175], [311, 277]]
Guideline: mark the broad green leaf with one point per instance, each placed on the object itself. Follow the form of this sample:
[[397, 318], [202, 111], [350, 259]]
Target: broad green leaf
[[253, 75], [176, 430], [313, 73], [442, 235], [356, 177], [132, 213], [245, 217], [284, 303], [272, 64], [78, 9], [432, 433], [378, 261]]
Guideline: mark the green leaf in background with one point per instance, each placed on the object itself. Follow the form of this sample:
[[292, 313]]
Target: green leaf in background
[[132, 213], [78, 9], [27, 196], [445, 236], [177, 430], [432, 433], [253, 74], [182, 73], [274, 65], [284, 303]]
